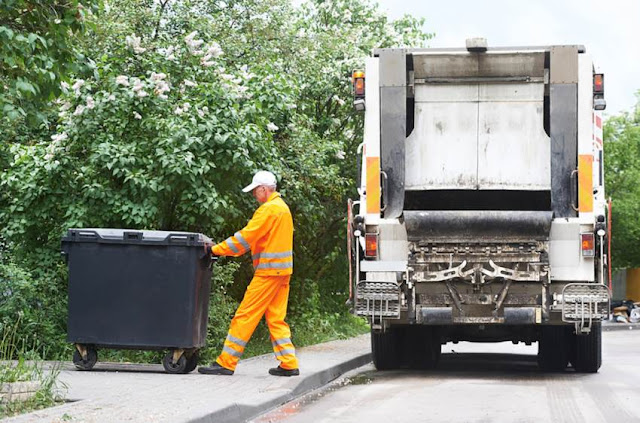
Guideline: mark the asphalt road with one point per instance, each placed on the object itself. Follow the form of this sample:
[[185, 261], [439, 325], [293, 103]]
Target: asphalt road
[[482, 383]]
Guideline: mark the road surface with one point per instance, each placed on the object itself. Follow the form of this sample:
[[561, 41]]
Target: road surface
[[481, 383]]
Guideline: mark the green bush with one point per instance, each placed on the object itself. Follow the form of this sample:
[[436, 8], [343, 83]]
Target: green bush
[[169, 120]]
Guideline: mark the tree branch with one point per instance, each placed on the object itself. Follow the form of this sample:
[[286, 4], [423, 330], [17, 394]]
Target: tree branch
[[163, 4]]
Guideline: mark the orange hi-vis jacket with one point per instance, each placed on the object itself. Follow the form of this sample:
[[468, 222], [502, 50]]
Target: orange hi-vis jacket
[[269, 236]]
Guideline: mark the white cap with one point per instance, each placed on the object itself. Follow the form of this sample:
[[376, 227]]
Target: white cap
[[261, 177]]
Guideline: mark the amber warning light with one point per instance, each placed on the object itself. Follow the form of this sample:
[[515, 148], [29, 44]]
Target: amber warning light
[[358, 84], [371, 245], [587, 241]]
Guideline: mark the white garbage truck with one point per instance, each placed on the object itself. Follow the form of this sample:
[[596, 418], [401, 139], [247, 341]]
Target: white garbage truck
[[481, 213]]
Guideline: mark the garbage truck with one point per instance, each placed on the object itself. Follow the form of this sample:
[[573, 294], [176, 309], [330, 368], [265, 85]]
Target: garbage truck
[[481, 214]]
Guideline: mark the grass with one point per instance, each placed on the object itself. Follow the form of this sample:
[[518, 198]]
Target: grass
[[18, 366]]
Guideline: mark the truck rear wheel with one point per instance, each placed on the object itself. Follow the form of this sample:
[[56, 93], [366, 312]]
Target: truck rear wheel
[[588, 350], [422, 347], [554, 348], [384, 349]]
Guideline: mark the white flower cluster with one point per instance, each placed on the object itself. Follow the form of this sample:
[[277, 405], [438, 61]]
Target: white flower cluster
[[181, 109], [161, 86], [232, 82], [133, 42], [213, 52], [122, 80], [168, 52], [138, 87], [90, 103], [203, 111], [77, 85], [338, 100], [56, 140], [272, 127], [189, 83], [194, 44], [208, 52], [245, 74]]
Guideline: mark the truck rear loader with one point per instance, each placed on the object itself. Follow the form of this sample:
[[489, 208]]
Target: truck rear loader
[[481, 213]]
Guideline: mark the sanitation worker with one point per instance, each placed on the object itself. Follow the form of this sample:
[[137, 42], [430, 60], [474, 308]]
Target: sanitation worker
[[269, 237]]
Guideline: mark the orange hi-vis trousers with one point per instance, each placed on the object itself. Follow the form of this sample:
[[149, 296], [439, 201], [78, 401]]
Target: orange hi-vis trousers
[[268, 296]]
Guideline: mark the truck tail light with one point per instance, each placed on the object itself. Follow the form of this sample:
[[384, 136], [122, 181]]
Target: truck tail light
[[598, 83], [371, 245], [599, 102], [588, 244], [358, 84]]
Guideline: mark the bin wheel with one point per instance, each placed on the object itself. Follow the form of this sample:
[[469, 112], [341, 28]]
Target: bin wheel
[[192, 362], [81, 364], [174, 368]]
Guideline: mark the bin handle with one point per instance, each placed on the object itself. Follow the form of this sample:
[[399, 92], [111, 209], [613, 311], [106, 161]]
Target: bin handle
[[181, 238], [87, 234], [131, 236]]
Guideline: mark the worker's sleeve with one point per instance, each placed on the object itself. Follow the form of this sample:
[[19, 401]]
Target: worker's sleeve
[[241, 241]]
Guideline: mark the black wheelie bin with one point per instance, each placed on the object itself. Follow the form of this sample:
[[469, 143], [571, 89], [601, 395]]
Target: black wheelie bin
[[131, 289]]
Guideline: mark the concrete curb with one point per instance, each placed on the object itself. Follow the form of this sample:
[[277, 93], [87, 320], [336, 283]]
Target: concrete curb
[[243, 412]]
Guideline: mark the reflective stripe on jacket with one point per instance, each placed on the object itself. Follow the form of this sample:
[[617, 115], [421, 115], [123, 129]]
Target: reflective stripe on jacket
[[269, 237]]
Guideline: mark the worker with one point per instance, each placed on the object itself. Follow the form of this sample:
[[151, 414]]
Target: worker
[[269, 237]]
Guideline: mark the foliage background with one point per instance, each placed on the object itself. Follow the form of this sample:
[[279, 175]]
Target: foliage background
[[153, 114], [622, 177]]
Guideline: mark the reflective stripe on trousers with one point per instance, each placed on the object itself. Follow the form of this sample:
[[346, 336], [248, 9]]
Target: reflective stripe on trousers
[[268, 296]]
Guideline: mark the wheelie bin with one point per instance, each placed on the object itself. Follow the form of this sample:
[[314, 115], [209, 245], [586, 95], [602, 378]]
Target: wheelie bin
[[131, 289]]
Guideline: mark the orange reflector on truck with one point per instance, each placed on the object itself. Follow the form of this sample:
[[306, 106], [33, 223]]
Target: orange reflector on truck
[[585, 183], [373, 185], [371, 245], [588, 244]]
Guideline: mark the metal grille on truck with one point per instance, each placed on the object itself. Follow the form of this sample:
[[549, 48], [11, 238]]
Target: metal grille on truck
[[378, 299], [585, 301]]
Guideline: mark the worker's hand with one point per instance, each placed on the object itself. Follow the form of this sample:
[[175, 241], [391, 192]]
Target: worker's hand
[[207, 249]]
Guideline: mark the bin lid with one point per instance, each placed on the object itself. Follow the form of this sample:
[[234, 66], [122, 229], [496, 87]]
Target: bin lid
[[134, 236]]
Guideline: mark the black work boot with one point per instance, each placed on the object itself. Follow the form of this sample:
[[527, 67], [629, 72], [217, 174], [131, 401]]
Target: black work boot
[[279, 371], [215, 369]]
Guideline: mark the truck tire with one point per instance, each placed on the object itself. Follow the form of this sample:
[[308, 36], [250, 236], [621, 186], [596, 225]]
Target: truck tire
[[384, 349], [554, 348], [422, 347], [588, 350]]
